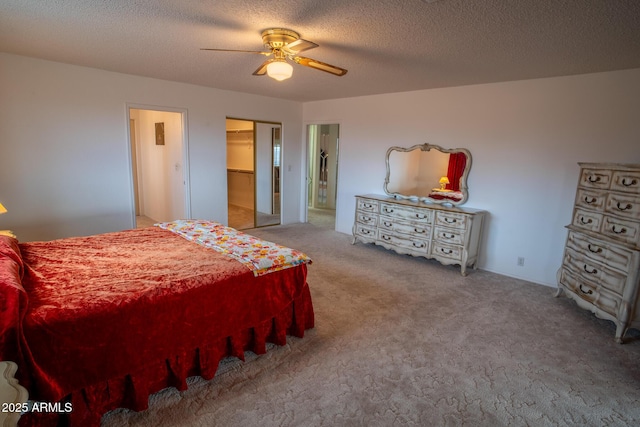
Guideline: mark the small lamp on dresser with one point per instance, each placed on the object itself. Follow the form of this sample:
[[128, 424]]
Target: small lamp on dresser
[[5, 232], [444, 181]]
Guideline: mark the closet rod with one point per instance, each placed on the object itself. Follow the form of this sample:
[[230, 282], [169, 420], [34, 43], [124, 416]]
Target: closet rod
[[240, 171]]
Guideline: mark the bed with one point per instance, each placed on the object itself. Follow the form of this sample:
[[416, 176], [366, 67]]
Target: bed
[[454, 196], [101, 322]]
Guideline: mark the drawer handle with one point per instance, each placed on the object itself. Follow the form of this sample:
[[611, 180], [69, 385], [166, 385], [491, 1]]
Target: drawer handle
[[597, 249], [421, 216], [450, 220], [387, 210], [448, 252], [420, 230], [592, 271], [629, 183], [388, 224], [450, 236], [367, 205], [588, 221], [591, 178], [365, 231], [620, 208], [387, 238], [590, 201], [365, 218], [419, 246], [620, 231], [588, 292]]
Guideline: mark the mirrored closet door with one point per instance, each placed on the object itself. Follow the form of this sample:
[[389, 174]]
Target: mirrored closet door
[[253, 173]]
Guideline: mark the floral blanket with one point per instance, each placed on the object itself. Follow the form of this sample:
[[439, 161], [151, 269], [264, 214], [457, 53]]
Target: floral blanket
[[260, 256]]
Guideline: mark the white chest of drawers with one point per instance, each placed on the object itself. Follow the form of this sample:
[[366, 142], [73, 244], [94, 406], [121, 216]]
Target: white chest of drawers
[[450, 235], [601, 264]]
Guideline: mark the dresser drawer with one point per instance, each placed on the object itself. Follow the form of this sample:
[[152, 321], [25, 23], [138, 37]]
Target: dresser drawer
[[591, 292], [595, 178], [406, 212], [590, 270], [366, 218], [367, 205], [627, 181], [451, 219], [364, 231], [406, 244], [419, 230], [625, 230], [626, 205], [588, 220], [591, 199], [447, 251], [613, 256], [451, 236]]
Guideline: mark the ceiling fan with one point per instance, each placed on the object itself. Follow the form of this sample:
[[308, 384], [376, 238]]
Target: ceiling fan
[[285, 44]]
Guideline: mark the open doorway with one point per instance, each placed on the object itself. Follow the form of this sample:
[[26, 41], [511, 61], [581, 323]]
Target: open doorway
[[159, 167], [253, 173], [322, 174]]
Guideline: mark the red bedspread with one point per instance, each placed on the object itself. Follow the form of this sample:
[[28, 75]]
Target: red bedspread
[[115, 317]]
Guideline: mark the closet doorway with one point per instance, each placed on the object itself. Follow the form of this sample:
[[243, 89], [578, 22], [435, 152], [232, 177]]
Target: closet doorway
[[322, 174], [253, 173], [159, 166]]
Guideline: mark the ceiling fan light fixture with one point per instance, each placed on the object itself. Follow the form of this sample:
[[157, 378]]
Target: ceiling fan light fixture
[[285, 45], [279, 70]]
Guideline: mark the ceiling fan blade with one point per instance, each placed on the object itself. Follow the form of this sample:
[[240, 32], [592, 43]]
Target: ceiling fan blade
[[262, 69], [318, 65], [261, 52], [298, 46]]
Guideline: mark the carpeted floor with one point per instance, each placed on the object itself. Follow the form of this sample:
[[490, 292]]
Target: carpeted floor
[[401, 341], [144, 221], [324, 218]]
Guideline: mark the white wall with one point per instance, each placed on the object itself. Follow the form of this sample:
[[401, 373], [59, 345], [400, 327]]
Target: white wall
[[65, 168], [64, 153], [525, 138]]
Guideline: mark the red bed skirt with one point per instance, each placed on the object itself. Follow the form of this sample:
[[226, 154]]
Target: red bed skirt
[[133, 390]]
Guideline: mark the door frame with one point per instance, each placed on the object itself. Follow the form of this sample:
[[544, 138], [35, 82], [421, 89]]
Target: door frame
[[305, 185], [185, 155], [255, 163]]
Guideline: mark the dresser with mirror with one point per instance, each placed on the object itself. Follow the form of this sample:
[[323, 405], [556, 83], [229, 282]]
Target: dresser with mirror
[[420, 213]]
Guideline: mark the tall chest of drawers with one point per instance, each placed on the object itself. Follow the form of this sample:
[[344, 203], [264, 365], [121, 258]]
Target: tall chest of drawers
[[450, 235], [601, 263]]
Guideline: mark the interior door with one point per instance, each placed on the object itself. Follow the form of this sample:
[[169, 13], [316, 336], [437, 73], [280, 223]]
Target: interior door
[[134, 166], [322, 174], [253, 173], [322, 166], [267, 167], [159, 165]]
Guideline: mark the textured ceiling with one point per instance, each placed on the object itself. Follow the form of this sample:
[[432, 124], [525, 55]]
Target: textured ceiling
[[387, 45]]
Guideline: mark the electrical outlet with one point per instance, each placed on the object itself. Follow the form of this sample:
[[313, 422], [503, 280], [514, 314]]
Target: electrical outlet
[[520, 261]]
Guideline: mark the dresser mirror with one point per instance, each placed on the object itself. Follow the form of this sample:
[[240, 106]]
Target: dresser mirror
[[428, 173]]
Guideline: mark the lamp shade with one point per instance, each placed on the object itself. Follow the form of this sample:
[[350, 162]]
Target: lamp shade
[[279, 70], [2, 209], [443, 183]]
